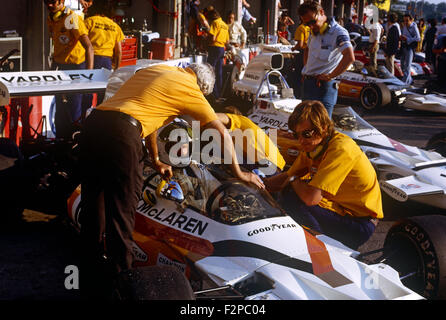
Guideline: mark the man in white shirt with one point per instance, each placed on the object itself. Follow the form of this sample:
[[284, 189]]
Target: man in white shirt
[[237, 34], [441, 29], [375, 35]]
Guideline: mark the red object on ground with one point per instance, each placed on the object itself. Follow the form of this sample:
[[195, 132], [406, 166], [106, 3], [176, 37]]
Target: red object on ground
[[24, 115]]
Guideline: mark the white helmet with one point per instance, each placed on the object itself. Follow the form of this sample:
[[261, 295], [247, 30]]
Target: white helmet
[[175, 143]]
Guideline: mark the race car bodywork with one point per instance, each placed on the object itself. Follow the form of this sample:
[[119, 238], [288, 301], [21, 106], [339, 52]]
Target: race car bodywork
[[374, 92], [237, 237]]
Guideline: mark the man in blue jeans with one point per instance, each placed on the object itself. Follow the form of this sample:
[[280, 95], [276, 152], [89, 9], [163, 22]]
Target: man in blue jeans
[[409, 40], [328, 54]]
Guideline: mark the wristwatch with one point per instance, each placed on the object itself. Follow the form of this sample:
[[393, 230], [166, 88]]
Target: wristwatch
[[292, 179]]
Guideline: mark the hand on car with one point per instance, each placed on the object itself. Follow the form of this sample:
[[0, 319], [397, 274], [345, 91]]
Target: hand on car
[[164, 169], [252, 178]]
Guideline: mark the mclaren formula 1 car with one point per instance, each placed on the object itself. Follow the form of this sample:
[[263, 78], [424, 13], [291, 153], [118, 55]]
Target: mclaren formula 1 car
[[231, 239]]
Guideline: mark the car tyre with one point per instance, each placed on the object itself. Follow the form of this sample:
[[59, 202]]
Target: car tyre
[[153, 283], [438, 143], [416, 244], [374, 96]]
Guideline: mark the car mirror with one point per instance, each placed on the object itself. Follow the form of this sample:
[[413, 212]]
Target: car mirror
[[170, 190]]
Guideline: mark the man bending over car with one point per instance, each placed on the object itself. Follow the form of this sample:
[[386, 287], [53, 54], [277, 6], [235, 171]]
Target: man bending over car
[[331, 187], [112, 161]]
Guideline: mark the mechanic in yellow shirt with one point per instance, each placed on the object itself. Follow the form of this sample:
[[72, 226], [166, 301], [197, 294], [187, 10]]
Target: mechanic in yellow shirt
[[106, 37], [112, 157], [256, 146], [72, 51], [218, 40], [332, 187]]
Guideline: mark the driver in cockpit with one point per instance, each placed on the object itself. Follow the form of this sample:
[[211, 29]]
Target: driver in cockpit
[[174, 149]]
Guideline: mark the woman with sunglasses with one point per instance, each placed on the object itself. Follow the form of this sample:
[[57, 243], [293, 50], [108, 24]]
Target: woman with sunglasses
[[331, 187]]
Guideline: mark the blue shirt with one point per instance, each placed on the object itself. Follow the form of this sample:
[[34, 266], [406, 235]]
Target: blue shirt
[[412, 34], [325, 50], [439, 43]]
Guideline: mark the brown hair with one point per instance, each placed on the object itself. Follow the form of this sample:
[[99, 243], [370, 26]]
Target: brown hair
[[308, 6], [315, 112], [233, 110]]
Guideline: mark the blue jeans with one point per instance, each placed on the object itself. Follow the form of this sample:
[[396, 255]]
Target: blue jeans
[[215, 59], [349, 230], [327, 92], [406, 62], [68, 106]]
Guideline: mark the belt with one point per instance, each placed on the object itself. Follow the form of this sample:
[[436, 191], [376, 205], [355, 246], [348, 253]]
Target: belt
[[123, 116]]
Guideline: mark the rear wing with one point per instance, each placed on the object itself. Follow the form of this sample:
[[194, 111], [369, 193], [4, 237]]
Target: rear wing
[[42, 83]]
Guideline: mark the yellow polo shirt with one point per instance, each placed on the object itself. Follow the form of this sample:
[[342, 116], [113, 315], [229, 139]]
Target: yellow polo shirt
[[104, 33], [220, 30], [65, 32], [156, 95], [302, 34], [256, 140], [348, 177]]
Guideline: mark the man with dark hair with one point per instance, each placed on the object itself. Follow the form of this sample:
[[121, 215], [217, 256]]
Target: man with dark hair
[[329, 54], [441, 29], [439, 49], [409, 42], [429, 39], [392, 42], [331, 187], [72, 51]]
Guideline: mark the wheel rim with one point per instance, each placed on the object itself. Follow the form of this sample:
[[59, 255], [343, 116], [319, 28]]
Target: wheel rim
[[369, 99]]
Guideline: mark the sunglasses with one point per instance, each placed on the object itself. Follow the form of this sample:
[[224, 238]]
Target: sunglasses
[[306, 134], [311, 22]]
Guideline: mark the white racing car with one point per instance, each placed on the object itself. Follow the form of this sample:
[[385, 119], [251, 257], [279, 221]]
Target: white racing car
[[235, 239]]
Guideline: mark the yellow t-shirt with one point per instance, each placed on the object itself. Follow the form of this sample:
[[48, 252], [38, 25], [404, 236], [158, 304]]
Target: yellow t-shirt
[[257, 142], [220, 30], [65, 32], [347, 176], [156, 95], [302, 34], [104, 33]]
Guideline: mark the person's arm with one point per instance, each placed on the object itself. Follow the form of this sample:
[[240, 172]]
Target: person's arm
[[151, 144], [89, 51], [117, 55], [228, 149], [348, 57], [311, 196], [305, 55]]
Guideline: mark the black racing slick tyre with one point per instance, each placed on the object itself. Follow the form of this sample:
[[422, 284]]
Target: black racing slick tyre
[[415, 247], [153, 283], [438, 143], [375, 95]]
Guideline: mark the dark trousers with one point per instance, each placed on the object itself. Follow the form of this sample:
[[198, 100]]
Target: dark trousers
[[68, 107], [215, 59], [98, 63], [351, 231], [111, 179], [326, 92]]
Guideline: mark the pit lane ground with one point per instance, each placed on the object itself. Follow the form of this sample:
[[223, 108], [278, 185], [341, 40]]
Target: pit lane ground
[[36, 249]]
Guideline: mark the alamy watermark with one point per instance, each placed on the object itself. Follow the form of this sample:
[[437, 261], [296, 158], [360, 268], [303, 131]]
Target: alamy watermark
[[208, 147]]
